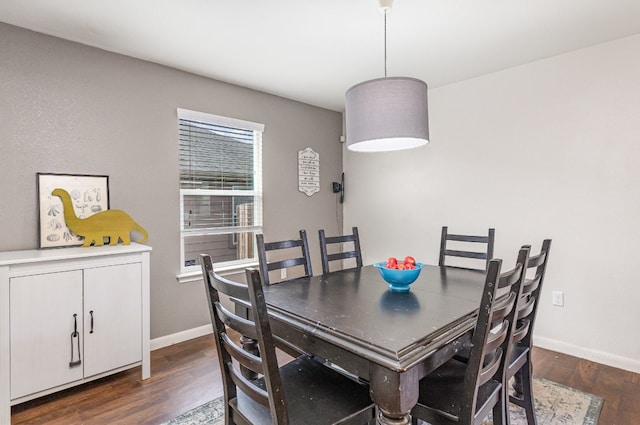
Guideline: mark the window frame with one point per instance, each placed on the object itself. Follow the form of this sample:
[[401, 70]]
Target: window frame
[[194, 273]]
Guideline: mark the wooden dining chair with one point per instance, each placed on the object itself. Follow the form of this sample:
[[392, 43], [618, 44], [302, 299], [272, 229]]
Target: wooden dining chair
[[302, 391], [301, 260], [520, 365], [353, 240], [465, 392], [485, 243]]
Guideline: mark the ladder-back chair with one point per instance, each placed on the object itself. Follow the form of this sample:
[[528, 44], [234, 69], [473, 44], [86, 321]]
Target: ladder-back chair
[[476, 248], [353, 240], [301, 260], [465, 392], [302, 391], [520, 365]]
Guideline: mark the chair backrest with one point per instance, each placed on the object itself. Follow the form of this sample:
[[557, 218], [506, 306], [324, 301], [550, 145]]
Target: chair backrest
[[492, 333], [485, 243], [302, 260], [267, 391], [353, 239], [528, 303]]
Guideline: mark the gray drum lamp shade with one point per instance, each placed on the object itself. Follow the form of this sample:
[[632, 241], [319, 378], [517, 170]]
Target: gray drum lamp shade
[[387, 114]]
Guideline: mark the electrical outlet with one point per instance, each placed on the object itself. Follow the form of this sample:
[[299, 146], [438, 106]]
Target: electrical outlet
[[283, 273], [557, 298]]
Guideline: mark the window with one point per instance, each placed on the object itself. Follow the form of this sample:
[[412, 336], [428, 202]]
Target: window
[[220, 189]]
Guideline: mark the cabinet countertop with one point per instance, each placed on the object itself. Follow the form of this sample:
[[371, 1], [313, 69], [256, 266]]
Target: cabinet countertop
[[55, 254]]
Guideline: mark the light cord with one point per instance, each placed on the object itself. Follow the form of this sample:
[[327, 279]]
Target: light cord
[[385, 43]]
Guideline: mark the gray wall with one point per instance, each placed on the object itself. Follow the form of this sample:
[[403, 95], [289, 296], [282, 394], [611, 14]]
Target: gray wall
[[545, 150], [69, 108]]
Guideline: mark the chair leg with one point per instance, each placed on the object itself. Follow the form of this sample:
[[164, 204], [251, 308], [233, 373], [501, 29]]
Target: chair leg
[[527, 392], [523, 391], [500, 411]]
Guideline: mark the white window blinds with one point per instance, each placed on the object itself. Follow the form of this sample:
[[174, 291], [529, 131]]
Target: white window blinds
[[220, 188]]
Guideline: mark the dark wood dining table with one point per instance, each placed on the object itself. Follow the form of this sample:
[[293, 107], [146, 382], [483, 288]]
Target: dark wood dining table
[[390, 339]]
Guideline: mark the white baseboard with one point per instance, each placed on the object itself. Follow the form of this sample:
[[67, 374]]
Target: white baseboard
[[167, 340], [602, 357]]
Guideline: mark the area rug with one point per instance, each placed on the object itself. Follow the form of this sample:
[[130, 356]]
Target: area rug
[[555, 405]]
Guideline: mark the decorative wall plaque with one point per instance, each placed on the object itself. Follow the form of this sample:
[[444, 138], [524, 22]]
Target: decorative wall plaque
[[308, 171]]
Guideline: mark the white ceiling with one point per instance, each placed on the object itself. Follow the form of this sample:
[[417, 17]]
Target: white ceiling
[[313, 51]]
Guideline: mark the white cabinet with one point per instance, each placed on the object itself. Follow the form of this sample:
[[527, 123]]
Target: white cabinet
[[68, 316]]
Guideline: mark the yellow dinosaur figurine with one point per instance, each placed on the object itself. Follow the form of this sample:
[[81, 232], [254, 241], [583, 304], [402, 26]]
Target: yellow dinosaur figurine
[[114, 224]]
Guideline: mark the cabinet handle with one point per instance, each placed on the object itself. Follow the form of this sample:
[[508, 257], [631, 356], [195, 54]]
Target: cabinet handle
[[75, 335], [91, 314]]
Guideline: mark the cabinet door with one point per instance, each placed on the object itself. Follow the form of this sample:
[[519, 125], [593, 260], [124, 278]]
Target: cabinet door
[[42, 309], [113, 300]]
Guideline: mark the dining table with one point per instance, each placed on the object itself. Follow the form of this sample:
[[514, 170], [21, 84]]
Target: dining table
[[388, 339]]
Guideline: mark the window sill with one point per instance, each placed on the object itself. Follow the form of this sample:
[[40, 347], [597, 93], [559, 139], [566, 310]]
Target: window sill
[[196, 276]]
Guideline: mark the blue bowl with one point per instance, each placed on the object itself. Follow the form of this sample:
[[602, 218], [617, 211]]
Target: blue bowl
[[398, 280]]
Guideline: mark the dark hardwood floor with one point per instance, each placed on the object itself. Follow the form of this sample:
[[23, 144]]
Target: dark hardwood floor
[[186, 375], [619, 388]]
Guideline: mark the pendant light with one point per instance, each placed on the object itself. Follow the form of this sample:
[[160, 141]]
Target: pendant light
[[386, 114]]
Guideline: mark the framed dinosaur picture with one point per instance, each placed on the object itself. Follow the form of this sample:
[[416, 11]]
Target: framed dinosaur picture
[[88, 194]]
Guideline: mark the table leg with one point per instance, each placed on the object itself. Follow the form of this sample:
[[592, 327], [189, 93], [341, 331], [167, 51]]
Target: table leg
[[395, 393], [517, 384], [249, 344], [386, 419]]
